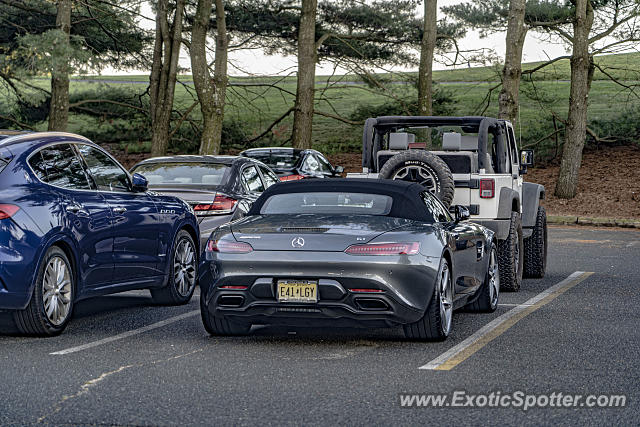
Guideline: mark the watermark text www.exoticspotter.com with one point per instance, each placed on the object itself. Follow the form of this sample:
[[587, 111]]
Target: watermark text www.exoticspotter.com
[[516, 399]]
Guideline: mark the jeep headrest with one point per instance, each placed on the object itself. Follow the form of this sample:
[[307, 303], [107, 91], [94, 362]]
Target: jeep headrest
[[400, 140], [469, 143], [451, 141]]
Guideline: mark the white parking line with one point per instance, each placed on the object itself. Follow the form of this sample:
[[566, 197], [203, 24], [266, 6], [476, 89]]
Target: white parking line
[[128, 333], [459, 353]]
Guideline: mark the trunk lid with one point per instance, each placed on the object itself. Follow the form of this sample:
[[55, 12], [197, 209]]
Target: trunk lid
[[310, 232]]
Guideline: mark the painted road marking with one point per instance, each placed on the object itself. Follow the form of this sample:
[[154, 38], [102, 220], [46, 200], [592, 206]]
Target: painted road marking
[[128, 333], [459, 353]]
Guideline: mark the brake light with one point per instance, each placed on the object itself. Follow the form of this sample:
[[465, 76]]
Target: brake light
[[7, 211], [226, 246], [222, 204], [367, 291], [384, 249], [487, 188], [293, 177], [234, 287]]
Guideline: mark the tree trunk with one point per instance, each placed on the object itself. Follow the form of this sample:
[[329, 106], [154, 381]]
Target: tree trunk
[[59, 107], [307, 57], [164, 71], [512, 70], [427, 48], [211, 93], [581, 76]]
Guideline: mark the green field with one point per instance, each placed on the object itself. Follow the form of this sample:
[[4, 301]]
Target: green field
[[253, 104]]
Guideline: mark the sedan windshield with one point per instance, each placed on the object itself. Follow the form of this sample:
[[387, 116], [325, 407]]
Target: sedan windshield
[[328, 203], [191, 173], [276, 159]]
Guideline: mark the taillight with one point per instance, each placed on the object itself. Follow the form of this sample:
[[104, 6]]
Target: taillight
[[222, 204], [384, 249], [293, 177], [234, 287], [367, 291], [226, 246], [487, 188], [7, 211]]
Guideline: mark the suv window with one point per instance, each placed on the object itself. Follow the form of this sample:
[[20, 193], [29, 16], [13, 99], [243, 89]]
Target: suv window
[[269, 177], [251, 180], [107, 174], [59, 165], [440, 214]]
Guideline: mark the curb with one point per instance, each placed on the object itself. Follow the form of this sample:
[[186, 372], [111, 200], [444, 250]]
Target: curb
[[595, 222]]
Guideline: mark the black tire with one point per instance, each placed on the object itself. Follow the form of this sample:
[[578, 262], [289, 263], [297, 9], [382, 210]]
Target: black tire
[[219, 326], [535, 248], [487, 300], [436, 175], [433, 326], [176, 292], [511, 256], [33, 320]]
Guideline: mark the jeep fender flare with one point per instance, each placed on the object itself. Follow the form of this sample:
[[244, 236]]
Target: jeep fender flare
[[509, 199], [531, 196]]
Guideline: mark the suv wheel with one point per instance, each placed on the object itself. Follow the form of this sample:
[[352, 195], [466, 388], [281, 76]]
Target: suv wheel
[[51, 304], [511, 256], [425, 168], [535, 247]]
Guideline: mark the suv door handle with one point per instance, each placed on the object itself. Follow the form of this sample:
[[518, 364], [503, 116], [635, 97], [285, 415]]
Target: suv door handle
[[119, 210], [73, 208]]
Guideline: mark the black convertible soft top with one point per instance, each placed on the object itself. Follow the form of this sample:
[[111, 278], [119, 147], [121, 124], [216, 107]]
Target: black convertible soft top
[[407, 202]]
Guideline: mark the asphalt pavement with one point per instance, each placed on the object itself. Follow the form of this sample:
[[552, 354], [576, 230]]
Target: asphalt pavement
[[125, 361]]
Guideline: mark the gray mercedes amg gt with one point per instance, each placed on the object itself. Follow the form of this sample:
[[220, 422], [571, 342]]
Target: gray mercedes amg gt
[[347, 252]]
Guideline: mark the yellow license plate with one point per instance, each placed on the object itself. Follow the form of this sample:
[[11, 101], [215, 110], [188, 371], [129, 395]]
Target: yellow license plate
[[297, 291]]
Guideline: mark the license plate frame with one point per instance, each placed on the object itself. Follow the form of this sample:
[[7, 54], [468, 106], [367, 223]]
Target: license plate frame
[[297, 297]]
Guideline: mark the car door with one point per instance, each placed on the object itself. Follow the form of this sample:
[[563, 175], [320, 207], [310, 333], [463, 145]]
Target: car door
[[464, 258], [136, 225], [84, 210]]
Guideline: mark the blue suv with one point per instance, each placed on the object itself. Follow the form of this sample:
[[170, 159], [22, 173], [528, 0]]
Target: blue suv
[[74, 224]]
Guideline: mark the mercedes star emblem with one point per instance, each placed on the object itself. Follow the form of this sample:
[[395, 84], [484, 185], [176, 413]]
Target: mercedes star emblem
[[297, 242]]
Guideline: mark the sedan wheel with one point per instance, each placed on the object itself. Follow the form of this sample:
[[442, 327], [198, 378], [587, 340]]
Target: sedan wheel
[[435, 325], [182, 274]]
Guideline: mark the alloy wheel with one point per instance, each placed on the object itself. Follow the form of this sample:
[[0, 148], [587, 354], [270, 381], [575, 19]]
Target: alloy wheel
[[446, 300], [184, 267], [57, 291]]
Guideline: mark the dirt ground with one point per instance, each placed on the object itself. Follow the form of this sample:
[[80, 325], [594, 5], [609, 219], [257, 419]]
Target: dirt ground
[[609, 183]]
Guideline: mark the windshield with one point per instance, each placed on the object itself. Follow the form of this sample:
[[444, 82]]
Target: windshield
[[191, 173], [345, 203], [276, 159]]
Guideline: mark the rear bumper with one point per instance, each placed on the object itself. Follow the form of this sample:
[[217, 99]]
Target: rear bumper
[[406, 285]]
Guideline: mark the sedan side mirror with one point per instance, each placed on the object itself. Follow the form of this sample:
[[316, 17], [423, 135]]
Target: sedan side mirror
[[139, 183], [461, 213], [338, 170]]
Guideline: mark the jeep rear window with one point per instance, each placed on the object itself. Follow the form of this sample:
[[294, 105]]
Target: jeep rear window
[[344, 203]]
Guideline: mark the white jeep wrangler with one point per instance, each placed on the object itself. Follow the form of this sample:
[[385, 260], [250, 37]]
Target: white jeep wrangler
[[478, 167]]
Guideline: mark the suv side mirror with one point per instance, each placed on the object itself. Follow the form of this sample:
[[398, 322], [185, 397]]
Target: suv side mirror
[[338, 170], [526, 158], [139, 183], [461, 213]]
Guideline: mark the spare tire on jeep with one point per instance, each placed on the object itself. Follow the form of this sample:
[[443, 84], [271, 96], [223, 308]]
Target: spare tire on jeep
[[422, 167]]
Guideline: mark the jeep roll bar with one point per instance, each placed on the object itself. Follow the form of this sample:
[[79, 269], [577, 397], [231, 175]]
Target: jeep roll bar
[[376, 128]]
